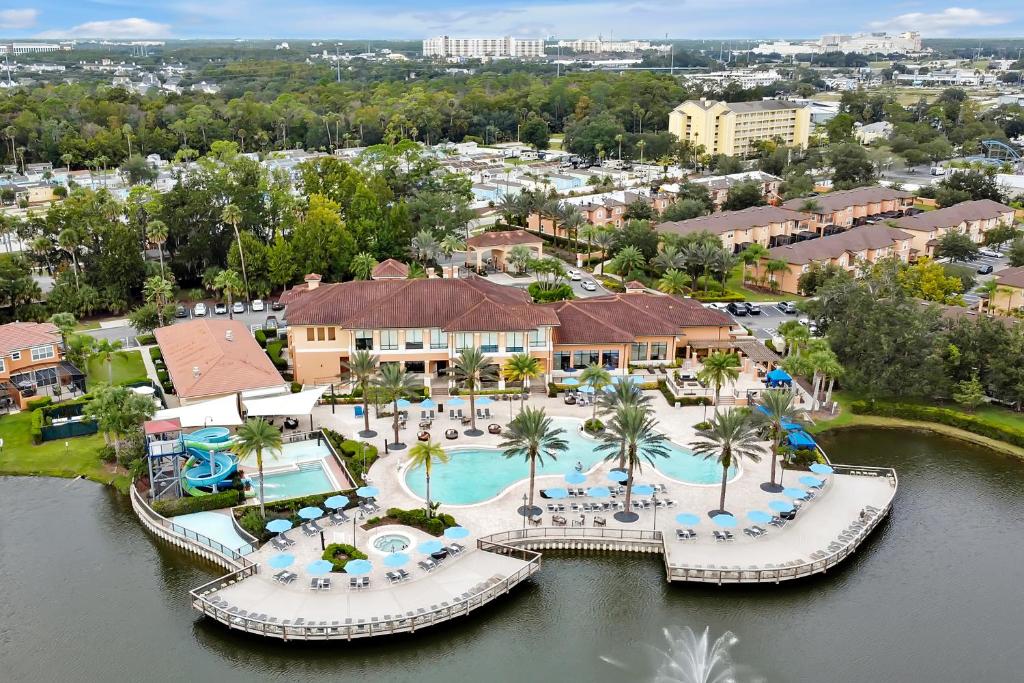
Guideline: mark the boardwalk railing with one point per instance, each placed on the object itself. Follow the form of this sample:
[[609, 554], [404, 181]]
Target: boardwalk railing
[[581, 538], [205, 600]]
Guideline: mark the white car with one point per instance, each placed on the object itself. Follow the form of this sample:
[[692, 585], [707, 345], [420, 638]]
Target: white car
[[200, 310], [574, 275], [257, 305], [238, 307], [589, 285], [991, 253]]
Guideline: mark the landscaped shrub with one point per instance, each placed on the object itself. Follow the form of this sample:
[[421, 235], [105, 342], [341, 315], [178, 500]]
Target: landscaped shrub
[[274, 351], [163, 375], [544, 295], [593, 426], [702, 425], [952, 418], [296, 387], [189, 504], [667, 393], [416, 518], [41, 402], [155, 354], [254, 523], [338, 554], [710, 297], [146, 339], [36, 427], [552, 390], [261, 338], [693, 401]]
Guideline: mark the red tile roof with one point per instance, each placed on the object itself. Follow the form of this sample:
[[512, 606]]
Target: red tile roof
[[18, 336], [842, 199], [390, 269], [224, 366], [161, 426], [1011, 277], [502, 238], [951, 216]]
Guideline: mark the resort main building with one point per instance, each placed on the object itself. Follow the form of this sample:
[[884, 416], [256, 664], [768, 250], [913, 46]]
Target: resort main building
[[425, 323]]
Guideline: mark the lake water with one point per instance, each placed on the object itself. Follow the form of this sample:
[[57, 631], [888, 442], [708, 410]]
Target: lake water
[[934, 596]]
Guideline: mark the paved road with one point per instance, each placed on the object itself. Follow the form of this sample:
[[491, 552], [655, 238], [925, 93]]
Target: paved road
[[249, 318]]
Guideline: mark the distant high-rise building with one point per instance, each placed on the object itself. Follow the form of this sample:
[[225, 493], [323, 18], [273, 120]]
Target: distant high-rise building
[[601, 45], [862, 43], [30, 48], [479, 48]]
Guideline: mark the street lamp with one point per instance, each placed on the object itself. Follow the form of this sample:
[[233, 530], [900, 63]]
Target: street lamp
[[525, 498], [654, 500]]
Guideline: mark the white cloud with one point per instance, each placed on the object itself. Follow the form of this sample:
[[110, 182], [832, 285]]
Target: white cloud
[[939, 23], [18, 18], [133, 27]]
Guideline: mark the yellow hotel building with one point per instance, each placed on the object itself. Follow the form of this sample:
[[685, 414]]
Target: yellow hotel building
[[732, 128]]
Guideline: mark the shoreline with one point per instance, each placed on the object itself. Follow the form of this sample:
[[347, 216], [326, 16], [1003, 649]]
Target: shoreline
[[860, 421]]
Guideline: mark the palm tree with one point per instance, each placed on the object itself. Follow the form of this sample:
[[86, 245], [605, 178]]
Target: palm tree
[[105, 349], [363, 367], [572, 221], [597, 378], [623, 394], [394, 383], [531, 435], [424, 246], [508, 206], [451, 244], [777, 406], [65, 322], [672, 282], [751, 255], [424, 454], [156, 232], [232, 215], [731, 438], [362, 265], [159, 291], [521, 367], [254, 437], [470, 369], [719, 368], [631, 431], [70, 240], [628, 259], [551, 210], [227, 281], [772, 267], [603, 240], [795, 335], [723, 263], [669, 258]]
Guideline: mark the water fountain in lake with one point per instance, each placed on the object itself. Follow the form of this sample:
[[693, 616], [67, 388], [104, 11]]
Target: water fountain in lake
[[690, 658]]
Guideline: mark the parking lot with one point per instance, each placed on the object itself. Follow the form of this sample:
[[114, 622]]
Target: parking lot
[[763, 326]]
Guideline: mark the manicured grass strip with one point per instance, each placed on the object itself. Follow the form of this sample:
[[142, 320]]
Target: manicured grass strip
[[127, 367]]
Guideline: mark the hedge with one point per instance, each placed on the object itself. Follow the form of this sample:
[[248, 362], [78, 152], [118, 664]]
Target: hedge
[[155, 354], [663, 386], [41, 402], [146, 339], [693, 401], [261, 338], [416, 518], [184, 506], [951, 418], [540, 295], [274, 351], [718, 298], [350, 552]]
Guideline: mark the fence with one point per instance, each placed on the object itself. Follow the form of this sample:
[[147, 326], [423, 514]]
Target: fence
[[69, 430], [581, 538]]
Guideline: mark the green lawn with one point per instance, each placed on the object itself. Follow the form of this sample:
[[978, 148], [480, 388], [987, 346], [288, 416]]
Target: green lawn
[[735, 284], [127, 367], [82, 457]]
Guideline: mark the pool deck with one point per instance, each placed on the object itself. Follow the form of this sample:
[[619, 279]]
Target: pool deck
[[826, 530]]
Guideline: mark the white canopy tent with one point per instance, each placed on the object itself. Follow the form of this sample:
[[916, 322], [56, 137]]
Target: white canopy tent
[[300, 403], [220, 412]]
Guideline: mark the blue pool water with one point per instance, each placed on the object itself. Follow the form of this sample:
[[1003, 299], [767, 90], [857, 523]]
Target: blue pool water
[[291, 453], [214, 525], [307, 480], [474, 475]]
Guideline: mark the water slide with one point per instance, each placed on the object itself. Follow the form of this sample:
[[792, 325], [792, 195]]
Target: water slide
[[207, 466]]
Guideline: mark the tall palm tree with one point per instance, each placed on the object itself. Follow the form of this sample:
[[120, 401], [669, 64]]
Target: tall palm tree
[[718, 368], [362, 265], [731, 438], [669, 258], [597, 378], [451, 244], [395, 383], [772, 267], [603, 240], [629, 259], [622, 394], [232, 215], [104, 349], [508, 207], [751, 255], [471, 369], [254, 437], [363, 366], [227, 281], [631, 429], [70, 239], [572, 221], [521, 367], [424, 454], [424, 246], [156, 232], [531, 435], [777, 406], [551, 210], [159, 291]]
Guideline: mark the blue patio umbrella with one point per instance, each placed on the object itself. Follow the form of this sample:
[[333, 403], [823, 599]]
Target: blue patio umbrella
[[336, 502], [618, 476], [281, 561], [642, 489], [808, 480], [687, 518], [427, 404], [820, 468], [403, 404], [428, 547], [759, 516], [319, 568], [456, 402], [793, 492], [358, 567], [727, 521], [556, 493], [367, 491], [396, 560], [598, 492], [454, 533], [570, 382], [277, 526], [575, 477], [311, 513], [586, 389], [484, 401], [780, 505]]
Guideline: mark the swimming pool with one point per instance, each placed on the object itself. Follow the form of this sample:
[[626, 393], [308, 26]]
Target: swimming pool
[[308, 479], [473, 475], [290, 454], [216, 526]]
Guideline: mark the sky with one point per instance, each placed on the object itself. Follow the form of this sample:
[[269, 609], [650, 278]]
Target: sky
[[414, 19]]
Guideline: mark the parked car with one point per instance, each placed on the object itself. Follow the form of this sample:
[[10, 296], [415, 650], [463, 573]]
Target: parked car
[[277, 306], [257, 305], [180, 312], [200, 310], [574, 275], [991, 253], [787, 307], [271, 324], [737, 309], [753, 309], [985, 269], [589, 285], [238, 307], [220, 308]]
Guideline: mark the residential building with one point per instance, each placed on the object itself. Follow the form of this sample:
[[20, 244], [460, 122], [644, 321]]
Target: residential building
[[208, 358], [1009, 294], [880, 130], [769, 226], [599, 44], [973, 218], [732, 128], [846, 208], [868, 244], [481, 48], [607, 209], [32, 363], [862, 43], [744, 78], [33, 48], [719, 185]]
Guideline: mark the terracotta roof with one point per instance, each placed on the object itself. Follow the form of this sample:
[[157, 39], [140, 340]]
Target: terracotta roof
[[834, 246], [621, 318], [727, 221], [502, 238], [1011, 277], [463, 304], [634, 284], [975, 210], [841, 199], [19, 336], [225, 366], [390, 269]]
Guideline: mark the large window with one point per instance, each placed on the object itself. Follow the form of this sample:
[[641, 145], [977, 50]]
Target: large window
[[310, 334], [514, 341], [463, 340], [562, 360], [581, 359], [536, 338], [414, 339], [389, 340], [438, 339], [610, 360], [659, 351], [42, 352], [638, 352], [3, 367], [364, 340], [489, 342]]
